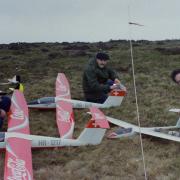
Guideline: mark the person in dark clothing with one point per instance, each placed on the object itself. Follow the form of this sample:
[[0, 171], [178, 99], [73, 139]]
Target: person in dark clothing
[[99, 79], [5, 103], [175, 75]]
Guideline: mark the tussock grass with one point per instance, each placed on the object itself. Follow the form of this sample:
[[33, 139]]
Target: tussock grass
[[39, 63]]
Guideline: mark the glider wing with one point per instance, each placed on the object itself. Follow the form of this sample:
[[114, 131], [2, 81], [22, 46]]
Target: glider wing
[[161, 132], [18, 158]]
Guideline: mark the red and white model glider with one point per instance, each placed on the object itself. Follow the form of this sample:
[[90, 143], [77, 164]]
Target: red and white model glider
[[18, 141], [128, 129], [63, 93]]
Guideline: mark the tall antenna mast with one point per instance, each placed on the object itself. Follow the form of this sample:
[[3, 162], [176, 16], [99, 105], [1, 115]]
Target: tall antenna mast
[[135, 91]]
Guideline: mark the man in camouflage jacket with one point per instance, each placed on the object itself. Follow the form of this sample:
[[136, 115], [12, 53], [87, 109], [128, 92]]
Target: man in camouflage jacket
[[99, 79]]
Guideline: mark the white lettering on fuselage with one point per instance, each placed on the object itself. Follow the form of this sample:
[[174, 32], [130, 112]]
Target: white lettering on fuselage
[[83, 105], [50, 143]]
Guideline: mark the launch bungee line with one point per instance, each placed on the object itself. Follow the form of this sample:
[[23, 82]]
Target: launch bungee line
[[135, 93]]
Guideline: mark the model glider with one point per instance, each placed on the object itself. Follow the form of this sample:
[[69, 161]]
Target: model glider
[[18, 160], [10, 81], [127, 129], [63, 93], [136, 24], [175, 110], [14, 80]]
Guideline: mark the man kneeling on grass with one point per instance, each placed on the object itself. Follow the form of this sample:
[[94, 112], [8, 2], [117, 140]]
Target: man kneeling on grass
[[99, 79]]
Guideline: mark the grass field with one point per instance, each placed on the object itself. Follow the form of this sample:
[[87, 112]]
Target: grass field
[[38, 65]]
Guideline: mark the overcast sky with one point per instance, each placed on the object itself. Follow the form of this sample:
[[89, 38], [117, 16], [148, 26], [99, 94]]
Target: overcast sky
[[88, 20]]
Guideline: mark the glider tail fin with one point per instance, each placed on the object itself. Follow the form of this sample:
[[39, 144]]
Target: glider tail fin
[[115, 98], [64, 110], [178, 123], [62, 86], [65, 119], [95, 128], [15, 79]]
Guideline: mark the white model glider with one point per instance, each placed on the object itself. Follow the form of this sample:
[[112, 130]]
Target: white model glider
[[175, 110], [63, 93], [11, 81], [17, 140], [128, 129], [137, 24]]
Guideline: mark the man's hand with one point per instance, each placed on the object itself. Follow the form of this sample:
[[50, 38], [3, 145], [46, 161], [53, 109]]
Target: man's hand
[[114, 86], [118, 86], [117, 81]]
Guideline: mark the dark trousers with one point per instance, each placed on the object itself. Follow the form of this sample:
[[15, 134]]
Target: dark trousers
[[101, 99]]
